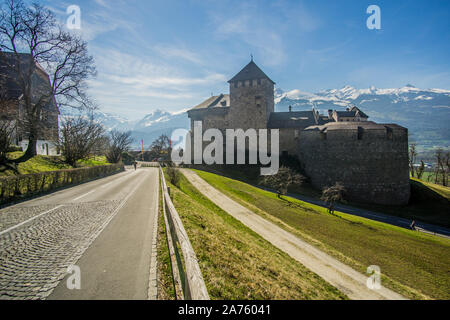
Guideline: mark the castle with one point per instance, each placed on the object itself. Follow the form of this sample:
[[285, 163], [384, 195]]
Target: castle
[[368, 158]]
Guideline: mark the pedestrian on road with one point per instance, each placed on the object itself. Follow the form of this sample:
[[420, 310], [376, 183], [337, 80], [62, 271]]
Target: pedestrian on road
[[413, 225], [135, 165]]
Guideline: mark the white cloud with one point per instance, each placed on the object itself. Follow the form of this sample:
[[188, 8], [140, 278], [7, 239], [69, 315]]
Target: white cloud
[[102, 3], [161, 81], [178, 52], [133, 80]]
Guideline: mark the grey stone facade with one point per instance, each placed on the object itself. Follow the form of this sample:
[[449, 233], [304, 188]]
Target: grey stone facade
[[369, 159], [11, 103]]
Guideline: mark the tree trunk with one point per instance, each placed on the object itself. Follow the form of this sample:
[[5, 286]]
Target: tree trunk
[[31, 149]]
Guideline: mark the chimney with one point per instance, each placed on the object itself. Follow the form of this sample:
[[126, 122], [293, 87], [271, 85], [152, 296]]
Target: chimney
[[290, 108]]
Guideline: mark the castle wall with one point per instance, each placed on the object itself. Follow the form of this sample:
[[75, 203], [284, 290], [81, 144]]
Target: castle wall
[[373, 168], [289, 140]]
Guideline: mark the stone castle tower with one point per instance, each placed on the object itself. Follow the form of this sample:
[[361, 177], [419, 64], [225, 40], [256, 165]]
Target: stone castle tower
[[251, 98]]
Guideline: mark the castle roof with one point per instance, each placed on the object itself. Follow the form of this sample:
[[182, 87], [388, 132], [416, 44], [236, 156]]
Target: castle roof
[[220, 101], [293, 119], [366, 125], [352, 113], [250, 72]]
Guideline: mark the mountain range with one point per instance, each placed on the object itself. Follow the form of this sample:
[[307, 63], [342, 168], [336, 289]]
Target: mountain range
[[425, 112]]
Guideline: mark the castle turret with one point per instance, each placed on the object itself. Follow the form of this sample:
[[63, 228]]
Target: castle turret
[[251, 98]]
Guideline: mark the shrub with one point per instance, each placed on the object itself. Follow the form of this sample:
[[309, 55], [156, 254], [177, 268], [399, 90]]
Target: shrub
[[26, 185], [78, 138], [127, 158], [283, 179], [333, 194], [119, 142], [174, 176], [14, 148]]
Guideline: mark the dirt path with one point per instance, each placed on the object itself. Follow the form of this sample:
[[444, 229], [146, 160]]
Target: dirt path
[[343, 277]]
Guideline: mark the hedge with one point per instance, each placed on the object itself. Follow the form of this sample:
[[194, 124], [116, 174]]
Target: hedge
[[26, 185]]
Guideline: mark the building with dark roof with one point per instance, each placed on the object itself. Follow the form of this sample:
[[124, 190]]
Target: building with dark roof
[[370, 159], [11, 106]]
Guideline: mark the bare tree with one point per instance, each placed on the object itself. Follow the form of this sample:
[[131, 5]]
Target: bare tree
[[420, 170], [119, 143], [161, 146], [31, 40], [333, 194], [101, 146], [78, 138], [412, 158], [7, 125], [284, 178], [441, 171]]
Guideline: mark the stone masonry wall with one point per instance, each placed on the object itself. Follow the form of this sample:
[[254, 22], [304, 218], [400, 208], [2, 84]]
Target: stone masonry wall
[[373, 168], [251, 101]]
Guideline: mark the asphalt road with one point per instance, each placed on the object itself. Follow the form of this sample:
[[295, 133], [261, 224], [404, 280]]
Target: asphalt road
[[103, 227]]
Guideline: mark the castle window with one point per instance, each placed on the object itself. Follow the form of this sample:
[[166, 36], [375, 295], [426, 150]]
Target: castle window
[[389, 133], [258, 101], [360, 133]]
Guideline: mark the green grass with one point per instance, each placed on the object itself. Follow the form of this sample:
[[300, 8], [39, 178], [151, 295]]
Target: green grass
[[92, 162], [236, 263], [429, 176], [439, 189], [41, 163], [429, 202], [166, 290], [412, 263]]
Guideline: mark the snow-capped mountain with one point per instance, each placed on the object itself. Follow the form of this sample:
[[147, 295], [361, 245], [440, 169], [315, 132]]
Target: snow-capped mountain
[[426, 113]]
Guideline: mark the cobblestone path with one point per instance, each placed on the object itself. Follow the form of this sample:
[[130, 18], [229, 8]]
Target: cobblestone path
[[35, 256]]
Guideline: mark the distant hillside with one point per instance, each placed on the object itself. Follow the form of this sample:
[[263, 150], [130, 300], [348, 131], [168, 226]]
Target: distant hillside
[[426, 113]]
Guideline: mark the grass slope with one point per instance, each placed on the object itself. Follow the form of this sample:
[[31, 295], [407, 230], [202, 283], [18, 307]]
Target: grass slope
[[236, 263], [48, 163], [413, 264], [429, 202]]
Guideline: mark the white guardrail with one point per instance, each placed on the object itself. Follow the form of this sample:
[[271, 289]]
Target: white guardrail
[[189, 276]]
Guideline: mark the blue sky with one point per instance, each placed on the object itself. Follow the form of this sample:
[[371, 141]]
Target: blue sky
[[173, 54]]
